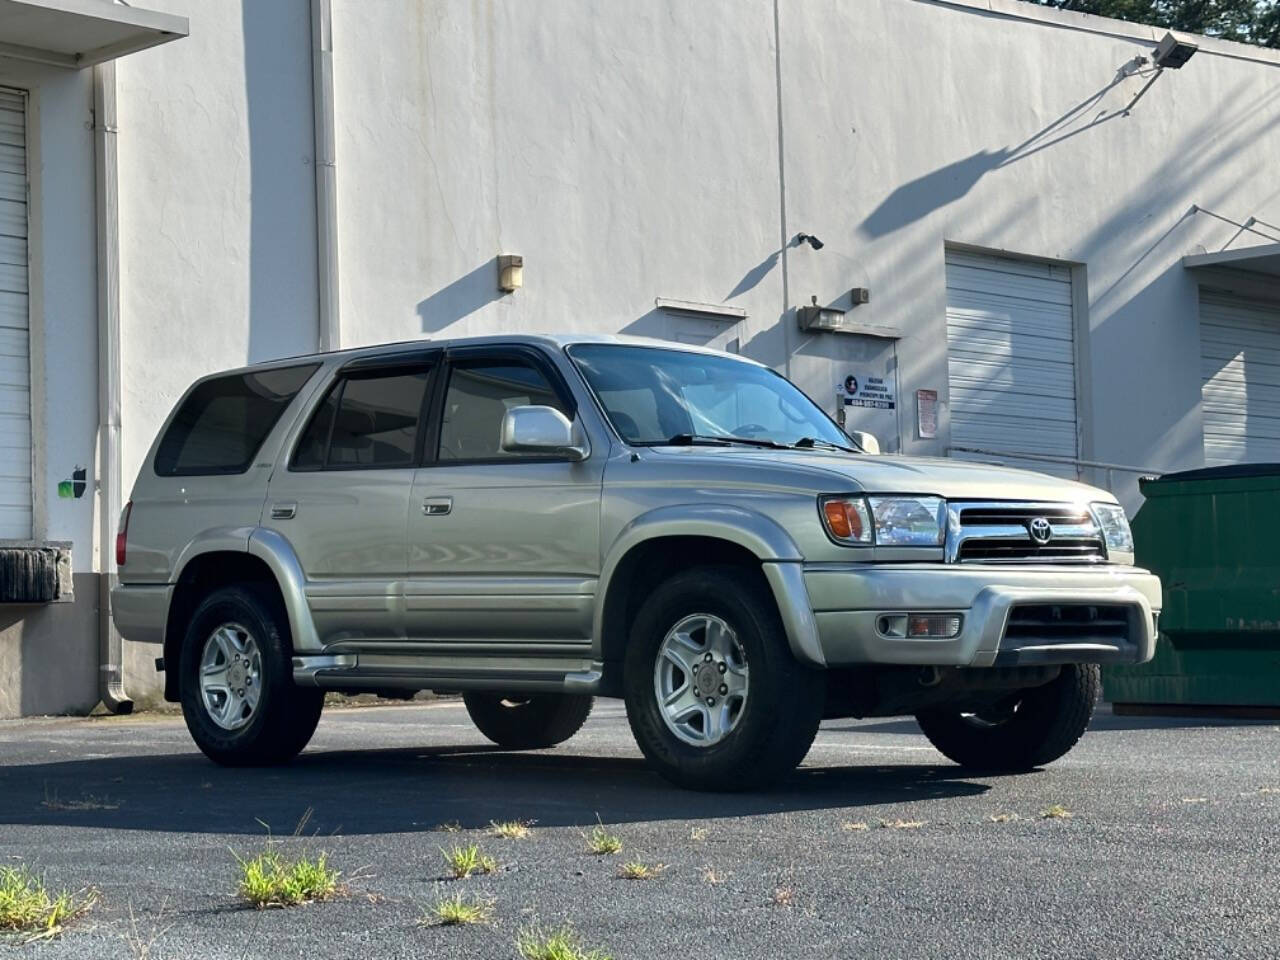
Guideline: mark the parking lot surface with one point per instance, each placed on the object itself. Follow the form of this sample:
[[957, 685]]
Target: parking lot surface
[[1171, 848]]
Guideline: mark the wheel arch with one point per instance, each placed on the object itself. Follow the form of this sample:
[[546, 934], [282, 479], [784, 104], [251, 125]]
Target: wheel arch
[[264, 558], [669, 540]]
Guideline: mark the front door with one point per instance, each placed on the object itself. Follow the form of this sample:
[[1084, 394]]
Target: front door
[[504, 549], [343, 499]]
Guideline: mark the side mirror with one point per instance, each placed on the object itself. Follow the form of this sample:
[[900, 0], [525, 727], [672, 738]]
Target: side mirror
[[545, 430], [867, 441]]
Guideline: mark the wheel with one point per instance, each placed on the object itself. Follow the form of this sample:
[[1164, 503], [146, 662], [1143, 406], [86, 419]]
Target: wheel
[[1036, 727], [715, 698], [237, 690], [528, 722]]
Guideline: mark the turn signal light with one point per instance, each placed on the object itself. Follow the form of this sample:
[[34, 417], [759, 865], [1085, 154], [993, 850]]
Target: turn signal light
[[920, 626], [847, 519]]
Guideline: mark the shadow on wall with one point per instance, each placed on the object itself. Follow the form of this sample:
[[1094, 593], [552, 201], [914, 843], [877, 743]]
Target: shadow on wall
[[461, 298], [914, 200], [283, 304]]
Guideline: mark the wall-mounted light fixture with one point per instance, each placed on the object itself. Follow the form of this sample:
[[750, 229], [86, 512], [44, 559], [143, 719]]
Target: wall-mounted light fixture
[[510, 272], [816, 319], [810, 239], [1172, 52]]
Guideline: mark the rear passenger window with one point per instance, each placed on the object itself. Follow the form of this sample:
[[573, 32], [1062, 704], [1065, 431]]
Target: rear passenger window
[[479, 394], [222, 422], [369, 421]]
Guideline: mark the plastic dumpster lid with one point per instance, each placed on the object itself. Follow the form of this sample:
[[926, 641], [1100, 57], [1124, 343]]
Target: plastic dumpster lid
[[1231, 471]]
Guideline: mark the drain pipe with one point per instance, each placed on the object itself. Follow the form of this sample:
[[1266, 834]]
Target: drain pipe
[[329, 334], [106, 215]]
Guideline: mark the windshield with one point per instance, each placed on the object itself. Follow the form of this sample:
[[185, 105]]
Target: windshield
[[652, 395]]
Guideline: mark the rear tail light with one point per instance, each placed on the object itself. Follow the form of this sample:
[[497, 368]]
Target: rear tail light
[[122, 533]]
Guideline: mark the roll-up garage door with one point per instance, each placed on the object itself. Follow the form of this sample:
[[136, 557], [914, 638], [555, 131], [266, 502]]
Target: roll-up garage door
[[15, 358], [1011, 360], [1240, 380]]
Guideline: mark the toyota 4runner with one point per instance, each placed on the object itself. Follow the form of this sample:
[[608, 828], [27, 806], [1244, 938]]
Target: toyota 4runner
[[537, 521]]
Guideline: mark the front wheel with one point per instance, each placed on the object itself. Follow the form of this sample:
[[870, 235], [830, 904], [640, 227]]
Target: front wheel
[[238, 695], [528, 722], [1035, 727], [715, 698]]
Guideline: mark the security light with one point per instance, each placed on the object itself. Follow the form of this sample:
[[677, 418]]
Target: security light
[[810, 239], [1172, 52]]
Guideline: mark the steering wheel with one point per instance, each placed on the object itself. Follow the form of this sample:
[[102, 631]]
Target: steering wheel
[[749, 429]]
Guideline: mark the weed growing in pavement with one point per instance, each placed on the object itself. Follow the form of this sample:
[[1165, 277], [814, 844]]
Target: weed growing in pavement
[[560, 944], [713, 877], [638, 870], [1003, 817], [1055, 811], [510, 829], [600, 841], [87, 801], [464, 861], [269, 879], [901, 824], [784, 895], [456, 910], [28, 906], [852, 826]]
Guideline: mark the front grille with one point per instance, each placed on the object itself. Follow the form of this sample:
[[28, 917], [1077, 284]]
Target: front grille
[[1068, 623], [1001, 533]]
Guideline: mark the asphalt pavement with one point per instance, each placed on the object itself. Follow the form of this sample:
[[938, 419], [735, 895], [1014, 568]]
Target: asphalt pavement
[[876, 847]]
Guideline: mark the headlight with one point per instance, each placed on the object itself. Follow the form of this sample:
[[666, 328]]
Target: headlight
[[1115, 531], [886, 521]]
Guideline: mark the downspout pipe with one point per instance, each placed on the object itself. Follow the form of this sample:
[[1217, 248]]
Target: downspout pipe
[[106, 216], [329, 334]]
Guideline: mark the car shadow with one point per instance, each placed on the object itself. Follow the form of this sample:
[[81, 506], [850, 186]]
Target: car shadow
[[414, 789]]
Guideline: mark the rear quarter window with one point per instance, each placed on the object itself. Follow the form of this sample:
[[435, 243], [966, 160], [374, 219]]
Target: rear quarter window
[[222, 422]]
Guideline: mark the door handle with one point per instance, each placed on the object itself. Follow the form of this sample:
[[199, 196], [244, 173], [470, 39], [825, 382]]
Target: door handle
[[283, 511], [437, 506]]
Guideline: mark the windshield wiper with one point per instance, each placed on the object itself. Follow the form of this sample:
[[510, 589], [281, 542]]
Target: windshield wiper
[[807, 443], [721, 440]]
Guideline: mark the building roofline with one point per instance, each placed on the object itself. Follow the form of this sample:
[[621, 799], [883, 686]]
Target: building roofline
[[1107, 27]]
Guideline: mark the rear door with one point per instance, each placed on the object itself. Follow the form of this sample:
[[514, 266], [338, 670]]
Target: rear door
[[343, 499], [504, 549]]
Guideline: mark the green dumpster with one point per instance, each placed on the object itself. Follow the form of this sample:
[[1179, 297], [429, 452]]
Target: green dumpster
[[1213, 537]]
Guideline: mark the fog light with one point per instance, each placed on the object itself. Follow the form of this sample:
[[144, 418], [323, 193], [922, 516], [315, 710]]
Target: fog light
[[937, 626]]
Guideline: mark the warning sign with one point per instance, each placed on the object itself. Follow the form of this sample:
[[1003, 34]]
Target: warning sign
[[879, 393]]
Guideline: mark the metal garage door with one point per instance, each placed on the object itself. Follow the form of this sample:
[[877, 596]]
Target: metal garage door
[[1011, 360], [15, 361], [1240, 380]]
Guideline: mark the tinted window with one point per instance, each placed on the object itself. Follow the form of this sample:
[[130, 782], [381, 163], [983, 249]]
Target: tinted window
[[311, 449], [222, 423], [376, 421], [479, 394]]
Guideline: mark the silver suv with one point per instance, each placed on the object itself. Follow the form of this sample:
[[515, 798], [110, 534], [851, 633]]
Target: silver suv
[[536, 521]]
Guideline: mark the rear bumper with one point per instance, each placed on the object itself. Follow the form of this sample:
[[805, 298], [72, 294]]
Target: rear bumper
[[140, 611], [848, 601]]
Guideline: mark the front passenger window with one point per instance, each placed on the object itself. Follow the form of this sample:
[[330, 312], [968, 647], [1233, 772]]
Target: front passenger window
[[479, 395]]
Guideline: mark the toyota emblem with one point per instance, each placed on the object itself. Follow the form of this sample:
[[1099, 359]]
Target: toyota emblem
[[1041, 530]]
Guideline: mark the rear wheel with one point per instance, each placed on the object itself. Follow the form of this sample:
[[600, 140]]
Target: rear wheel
[[528, 722], [1035, 727], [237, 690], [714, 696]]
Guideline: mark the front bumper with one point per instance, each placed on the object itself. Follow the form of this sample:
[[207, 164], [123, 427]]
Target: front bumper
[[848, 601]]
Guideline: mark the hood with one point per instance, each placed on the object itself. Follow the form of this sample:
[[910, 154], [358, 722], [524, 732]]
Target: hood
[[891, 473]]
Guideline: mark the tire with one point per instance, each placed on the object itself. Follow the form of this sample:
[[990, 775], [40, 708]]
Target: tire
[[281, 721], [771, 727], [1046, 722], [528, 722]]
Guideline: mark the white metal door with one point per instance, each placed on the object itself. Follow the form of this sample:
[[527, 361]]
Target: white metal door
[[15, 356], [1240, 380], [1011, 360]]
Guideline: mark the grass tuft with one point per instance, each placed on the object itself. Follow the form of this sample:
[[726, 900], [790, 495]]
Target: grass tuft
[[1055, 811], [853, 826], [600, 841], [457, 910], [901, 824], [637, 870], [1003, 817], [464, 861], [449, 826], [559, 944], [784, 895], [697, 834], [510, 829], [28, 906], [712, 877], [272, 880]]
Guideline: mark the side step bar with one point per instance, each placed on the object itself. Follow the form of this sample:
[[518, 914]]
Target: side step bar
[[350, 671]]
